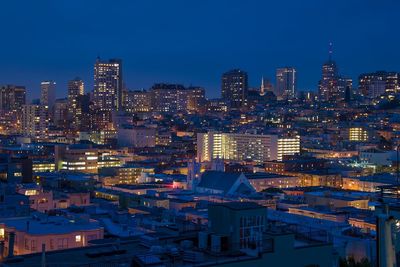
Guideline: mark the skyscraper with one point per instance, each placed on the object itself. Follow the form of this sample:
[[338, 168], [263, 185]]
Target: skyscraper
[[234, 88], [48, 94], [75, 89], [328, 85], [107, 95], [12, 98], [285, 87], [332, 87]]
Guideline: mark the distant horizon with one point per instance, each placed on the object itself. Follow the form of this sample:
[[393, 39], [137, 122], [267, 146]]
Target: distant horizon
[[194, 43]]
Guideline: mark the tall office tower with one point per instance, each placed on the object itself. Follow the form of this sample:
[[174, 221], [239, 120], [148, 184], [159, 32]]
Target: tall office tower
[[374, 84], [35, 121], [266, 86], [329, 87], [76, 89], [12, 98], [48, 94], [329, 84], [241, 147], [234, 88], [107, 94], [285, 87], [137, 101]]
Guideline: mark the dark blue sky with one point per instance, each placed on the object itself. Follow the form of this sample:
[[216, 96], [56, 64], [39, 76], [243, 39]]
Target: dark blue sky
[[193, 41]]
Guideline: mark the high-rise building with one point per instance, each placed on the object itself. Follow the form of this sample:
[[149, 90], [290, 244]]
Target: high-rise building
[[35, 121], [331, 87], [108, 93], [234, 88], [328, 85], [60, 113], [137, 101], [285, 87], [76, 89], [242, 147], [12, 98], [374, 84], [48, 94]]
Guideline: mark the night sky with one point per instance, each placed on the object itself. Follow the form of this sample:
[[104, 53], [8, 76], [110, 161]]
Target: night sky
[[193, 41]]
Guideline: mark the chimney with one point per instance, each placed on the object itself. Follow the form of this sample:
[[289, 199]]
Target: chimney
[[11, 240]]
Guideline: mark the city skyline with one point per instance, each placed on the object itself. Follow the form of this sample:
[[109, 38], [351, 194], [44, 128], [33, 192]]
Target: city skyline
[[182, 133], [156, 47]]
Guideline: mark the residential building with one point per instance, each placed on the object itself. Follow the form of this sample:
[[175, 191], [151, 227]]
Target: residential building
[[108, 91]]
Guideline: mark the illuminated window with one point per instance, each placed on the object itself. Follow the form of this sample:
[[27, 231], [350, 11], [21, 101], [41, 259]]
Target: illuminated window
[[78, 238]]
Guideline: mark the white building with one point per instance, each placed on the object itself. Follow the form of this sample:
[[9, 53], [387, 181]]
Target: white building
[[240, 147]]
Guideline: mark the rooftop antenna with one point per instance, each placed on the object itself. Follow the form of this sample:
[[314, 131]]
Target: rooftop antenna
[[330, 51]]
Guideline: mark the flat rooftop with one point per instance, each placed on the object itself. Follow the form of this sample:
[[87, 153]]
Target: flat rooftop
[[47, 225]]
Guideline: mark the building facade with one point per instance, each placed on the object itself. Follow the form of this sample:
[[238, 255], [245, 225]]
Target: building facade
[[285, 87], [242, 147], [108, 93], [48, 94], [35, 121], [234, 88]]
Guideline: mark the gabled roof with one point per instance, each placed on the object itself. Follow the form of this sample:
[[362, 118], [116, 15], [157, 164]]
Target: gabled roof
[[218, 180]]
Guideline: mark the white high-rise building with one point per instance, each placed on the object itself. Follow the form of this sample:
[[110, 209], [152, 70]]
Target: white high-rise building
[[241, 147]]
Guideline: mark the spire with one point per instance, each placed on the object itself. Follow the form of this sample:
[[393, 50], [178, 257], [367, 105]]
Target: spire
[[262, 89], [330, 51]]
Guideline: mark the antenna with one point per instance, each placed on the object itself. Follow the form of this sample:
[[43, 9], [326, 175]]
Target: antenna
[[330, 51]]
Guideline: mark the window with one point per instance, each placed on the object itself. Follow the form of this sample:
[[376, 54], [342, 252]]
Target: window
[[78, 238], [62, 243], [33, 245]]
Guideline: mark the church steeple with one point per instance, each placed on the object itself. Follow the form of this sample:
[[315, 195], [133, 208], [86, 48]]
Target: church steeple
[[262, 88]]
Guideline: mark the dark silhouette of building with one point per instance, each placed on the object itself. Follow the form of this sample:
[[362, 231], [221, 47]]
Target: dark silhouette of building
[[235, 88]]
